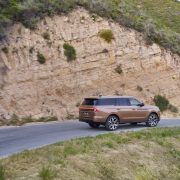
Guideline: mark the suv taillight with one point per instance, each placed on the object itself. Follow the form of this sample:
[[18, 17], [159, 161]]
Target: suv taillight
[[95, 109], [89, 109]]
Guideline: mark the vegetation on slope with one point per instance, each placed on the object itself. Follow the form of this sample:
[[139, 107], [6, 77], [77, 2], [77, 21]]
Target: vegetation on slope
[[159, 20], [139, 155], [163, 103]]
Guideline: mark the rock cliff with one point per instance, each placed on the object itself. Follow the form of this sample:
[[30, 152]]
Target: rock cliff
[[58, 86]]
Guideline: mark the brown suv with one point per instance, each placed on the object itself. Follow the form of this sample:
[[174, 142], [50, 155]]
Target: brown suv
[[113, 110]]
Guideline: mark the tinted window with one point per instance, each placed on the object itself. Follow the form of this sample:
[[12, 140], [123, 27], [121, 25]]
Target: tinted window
[[90, 102], [134, 102], [106, 102], [123, 102]]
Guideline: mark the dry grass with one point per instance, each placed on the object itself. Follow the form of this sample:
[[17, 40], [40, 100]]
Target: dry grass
[[16, 121], [149, 154]]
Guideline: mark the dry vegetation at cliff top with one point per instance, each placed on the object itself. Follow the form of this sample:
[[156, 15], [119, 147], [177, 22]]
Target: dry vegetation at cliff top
[[159, 20]]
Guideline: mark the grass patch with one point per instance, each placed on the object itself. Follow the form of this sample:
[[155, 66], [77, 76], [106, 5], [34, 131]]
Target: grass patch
[[100, 157], [107, 35], [157, 20], [2, 173], [41, 58], [47, 173], [69, 52]]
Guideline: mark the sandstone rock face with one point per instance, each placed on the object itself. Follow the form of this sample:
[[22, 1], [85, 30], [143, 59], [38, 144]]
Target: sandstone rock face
[[58, 86]]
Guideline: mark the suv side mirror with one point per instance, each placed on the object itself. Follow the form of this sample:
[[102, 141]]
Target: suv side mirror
[[141, 104]]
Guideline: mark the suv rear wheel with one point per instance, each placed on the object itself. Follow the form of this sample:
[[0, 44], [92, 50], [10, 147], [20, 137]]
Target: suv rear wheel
[[153, 120], [112, 123], [94, 125]]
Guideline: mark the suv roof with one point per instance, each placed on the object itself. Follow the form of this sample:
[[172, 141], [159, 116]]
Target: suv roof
[[99, 97]]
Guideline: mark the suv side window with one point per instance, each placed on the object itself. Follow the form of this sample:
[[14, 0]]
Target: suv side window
[[134, 102], [123, 102], [106, 102]]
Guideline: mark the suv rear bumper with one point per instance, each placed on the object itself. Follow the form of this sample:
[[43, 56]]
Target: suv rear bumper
[[86, 120]]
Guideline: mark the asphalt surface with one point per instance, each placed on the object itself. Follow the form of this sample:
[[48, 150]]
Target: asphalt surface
[[18, 139]]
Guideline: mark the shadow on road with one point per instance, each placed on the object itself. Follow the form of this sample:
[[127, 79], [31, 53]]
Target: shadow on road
[[121, 127]]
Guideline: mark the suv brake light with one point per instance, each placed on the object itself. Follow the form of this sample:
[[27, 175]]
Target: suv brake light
[[95, 109], [91, 109]]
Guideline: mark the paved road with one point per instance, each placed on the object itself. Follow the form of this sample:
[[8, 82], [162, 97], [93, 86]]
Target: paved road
[[17, 139]]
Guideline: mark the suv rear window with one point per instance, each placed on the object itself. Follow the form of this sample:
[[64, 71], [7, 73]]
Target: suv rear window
[[100, 102], [90, 102]]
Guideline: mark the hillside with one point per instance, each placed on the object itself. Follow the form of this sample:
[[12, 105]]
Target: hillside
[[47, 71], [159, 20]]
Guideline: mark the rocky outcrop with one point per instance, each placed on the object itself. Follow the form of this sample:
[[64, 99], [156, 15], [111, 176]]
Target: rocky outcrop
[[58, 86]]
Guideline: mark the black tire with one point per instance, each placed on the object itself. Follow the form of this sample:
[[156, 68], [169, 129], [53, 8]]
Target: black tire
[[94, 125], [134, 123], [153, 120], [112, 123]]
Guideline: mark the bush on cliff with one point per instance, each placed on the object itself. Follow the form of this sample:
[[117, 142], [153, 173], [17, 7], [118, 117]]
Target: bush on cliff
[[69, 52], [107, 35], [41, 58]]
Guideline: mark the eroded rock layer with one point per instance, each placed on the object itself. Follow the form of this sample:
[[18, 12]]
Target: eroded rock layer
[[58, 86]]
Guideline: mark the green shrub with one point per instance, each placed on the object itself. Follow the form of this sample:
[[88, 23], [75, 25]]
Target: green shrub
[[41, 58], [105, 50], [2, 173], [47, 119], [162, 102], [5, 50], [78, 104], [107, 35], [47, 173], [46, 35], [94, 17], [173, 109], [118, 69], [31, 49], [69, 52], [139, 88]]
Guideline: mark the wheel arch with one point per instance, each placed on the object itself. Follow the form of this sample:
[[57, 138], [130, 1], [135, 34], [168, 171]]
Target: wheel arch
[[154, 112], [113, 114]]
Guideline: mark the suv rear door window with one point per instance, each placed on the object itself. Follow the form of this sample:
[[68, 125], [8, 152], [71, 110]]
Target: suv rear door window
[[106, 102], [123, 102]]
